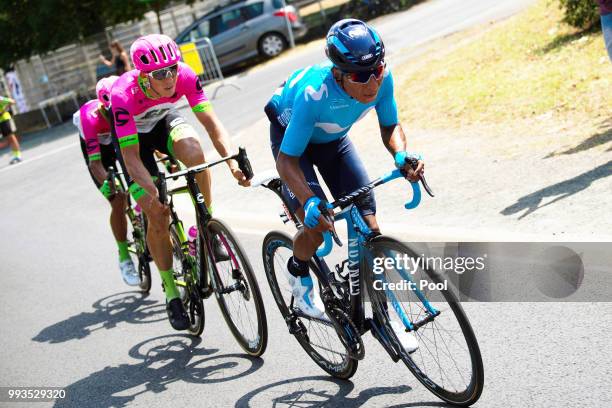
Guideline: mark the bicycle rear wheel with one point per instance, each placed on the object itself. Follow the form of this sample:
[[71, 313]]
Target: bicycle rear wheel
[[447, 360], [139, 234], [319, 338], [237, 291]]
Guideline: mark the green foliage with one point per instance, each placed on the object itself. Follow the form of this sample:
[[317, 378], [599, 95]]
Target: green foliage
[[582, 14], [31, 27]]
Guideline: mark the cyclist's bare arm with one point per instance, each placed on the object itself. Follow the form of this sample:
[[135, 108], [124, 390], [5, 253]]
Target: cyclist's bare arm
[[137, 170], [216, 131], [394, 138], [97, 169], [220, 139], [288, 168]]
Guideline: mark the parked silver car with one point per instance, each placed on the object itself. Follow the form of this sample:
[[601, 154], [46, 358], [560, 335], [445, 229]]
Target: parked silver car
[[245, 28]]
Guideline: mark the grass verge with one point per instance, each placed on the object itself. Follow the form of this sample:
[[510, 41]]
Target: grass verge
[[528, 74]]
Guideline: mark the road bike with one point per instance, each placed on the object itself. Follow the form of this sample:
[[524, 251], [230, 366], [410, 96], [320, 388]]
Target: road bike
[[230, 278], [137, 231], [447, 361]]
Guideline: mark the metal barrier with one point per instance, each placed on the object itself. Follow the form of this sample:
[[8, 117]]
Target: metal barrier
[[53, 102], [201, 57]]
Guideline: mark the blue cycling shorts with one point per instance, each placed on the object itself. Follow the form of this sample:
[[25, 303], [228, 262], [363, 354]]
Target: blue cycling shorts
[[337, 162]]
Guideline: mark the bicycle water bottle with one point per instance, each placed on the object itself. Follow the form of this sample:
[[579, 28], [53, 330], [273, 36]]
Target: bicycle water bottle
[[137, 216], [192, 235]]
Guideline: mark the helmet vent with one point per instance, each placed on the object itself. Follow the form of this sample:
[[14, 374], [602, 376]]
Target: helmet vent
[[154, 56], [144, 59], [163, 52]]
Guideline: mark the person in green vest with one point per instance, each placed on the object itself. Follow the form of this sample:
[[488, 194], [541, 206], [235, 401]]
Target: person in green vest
[[8, 128]]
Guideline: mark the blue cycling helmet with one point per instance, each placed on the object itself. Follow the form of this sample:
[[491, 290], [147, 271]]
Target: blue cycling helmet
[[353, 46]]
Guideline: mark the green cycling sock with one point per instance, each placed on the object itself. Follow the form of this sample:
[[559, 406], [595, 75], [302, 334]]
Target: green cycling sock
[[124, 253], [167, 278], [17, 153]]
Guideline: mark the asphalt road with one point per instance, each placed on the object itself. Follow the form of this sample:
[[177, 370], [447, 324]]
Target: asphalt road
[[68, 321]]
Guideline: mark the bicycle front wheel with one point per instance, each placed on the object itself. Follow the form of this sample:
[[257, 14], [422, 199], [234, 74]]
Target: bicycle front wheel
[[237, 291], [447, 360]]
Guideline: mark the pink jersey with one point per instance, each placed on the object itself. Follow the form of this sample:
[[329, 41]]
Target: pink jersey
[[93, 127], [135, 112]]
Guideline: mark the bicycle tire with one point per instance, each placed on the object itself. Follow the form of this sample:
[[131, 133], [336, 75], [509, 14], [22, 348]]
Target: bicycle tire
[[274, 240], [190, 296], [144, 259], [468, 396], [255, 342]]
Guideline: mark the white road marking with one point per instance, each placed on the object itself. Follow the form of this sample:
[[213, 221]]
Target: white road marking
[[42, 156]]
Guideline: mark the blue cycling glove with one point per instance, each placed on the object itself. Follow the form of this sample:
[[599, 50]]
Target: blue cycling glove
[[400, 158], [312, 212]]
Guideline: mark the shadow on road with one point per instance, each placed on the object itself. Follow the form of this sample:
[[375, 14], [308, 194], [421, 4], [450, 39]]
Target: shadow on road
[[165, 360], [603, 137], [318, 391], [131, 307], [564, 189]]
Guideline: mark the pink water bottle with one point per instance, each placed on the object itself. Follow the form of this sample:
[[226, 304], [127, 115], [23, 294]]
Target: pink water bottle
[[137, 216], [192, 235]]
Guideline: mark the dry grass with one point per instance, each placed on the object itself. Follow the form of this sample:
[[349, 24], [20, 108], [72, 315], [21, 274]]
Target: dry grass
[[527, 75]]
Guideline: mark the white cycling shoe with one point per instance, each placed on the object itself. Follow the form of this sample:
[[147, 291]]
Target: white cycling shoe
[[128, 273], [302, 289], [407, 339]]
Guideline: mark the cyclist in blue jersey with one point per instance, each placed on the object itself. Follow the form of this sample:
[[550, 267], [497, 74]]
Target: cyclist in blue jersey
[[310, 115]]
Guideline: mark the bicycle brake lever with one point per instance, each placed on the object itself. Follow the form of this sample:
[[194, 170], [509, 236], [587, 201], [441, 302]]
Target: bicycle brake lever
[[244, 164], [426, 186]]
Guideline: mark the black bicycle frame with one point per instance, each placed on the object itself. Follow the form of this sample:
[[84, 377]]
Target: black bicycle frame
[[357, 313]]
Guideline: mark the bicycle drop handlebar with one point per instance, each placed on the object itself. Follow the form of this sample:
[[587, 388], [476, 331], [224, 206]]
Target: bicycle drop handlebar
[[324, 206], [241, 157]]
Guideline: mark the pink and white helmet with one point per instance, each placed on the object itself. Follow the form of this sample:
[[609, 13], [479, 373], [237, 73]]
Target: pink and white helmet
[[154, 51], [103, 90]]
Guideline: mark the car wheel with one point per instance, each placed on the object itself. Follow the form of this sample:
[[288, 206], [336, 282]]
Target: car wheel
[[271, 44]]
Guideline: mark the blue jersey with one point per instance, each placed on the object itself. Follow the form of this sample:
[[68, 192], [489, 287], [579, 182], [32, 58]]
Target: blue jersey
[[315, 109]]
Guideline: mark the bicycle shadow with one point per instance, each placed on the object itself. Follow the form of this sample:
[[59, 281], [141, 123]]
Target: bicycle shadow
[[317, 391], [131, 307], [532, 202], [165, 360]]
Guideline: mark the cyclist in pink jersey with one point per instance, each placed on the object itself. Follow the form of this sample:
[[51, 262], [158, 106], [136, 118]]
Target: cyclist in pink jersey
[[93, 122], [145, 119]]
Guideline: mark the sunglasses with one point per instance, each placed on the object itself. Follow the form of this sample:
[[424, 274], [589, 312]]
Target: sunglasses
[[163, 73], [364, 77]]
